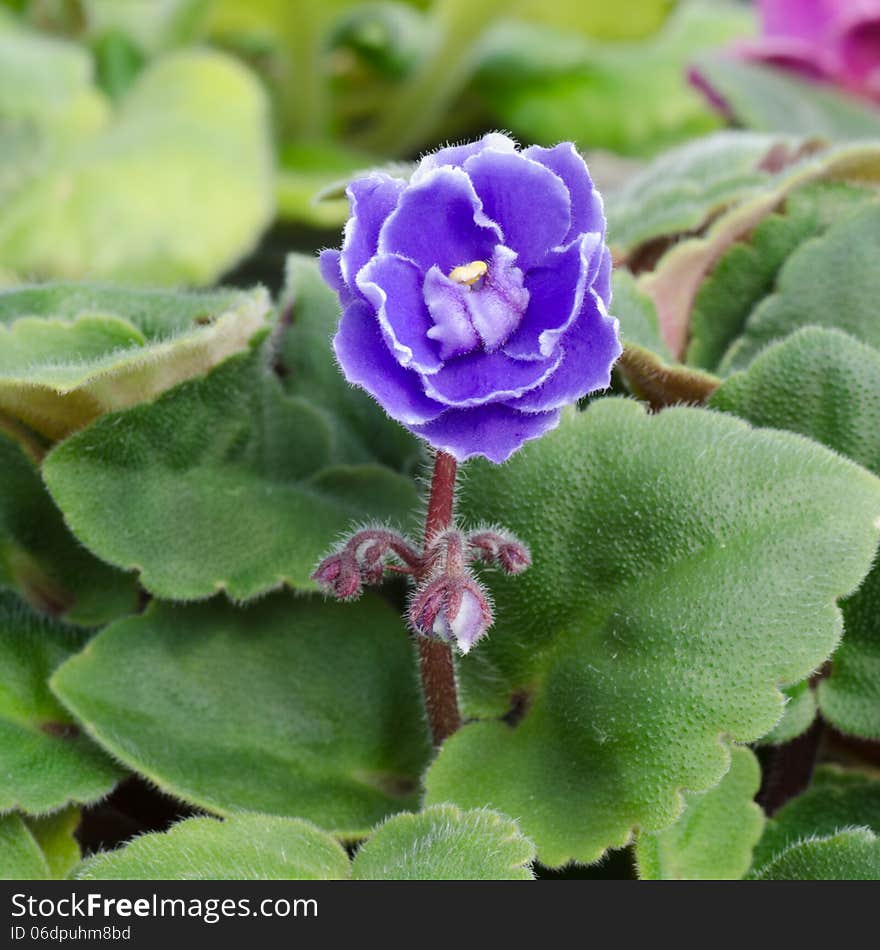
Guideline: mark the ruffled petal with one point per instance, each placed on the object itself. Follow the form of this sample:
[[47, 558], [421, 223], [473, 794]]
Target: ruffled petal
[[393, 285], [480, 378], [366, 362], [564, 160], [372, 199], [527, 200], [457, 155], [556, 296], [440, 220], [787, 52], [590, 348], [329, 264], [495, 431]]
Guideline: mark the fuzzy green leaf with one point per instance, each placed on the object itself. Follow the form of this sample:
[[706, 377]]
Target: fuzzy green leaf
[[770, 100], [444, 843], [246, 470], [714, 838], [289, 706], [832, 281], [45, 760], [360, 429], [748, 272], [682, 189], [836, 800], [800, 713], [685, 566], [72, 352], [20, 856], [241, 848], [54, 835], [41, 559], [852, 855], [172, 187], [825, 385]]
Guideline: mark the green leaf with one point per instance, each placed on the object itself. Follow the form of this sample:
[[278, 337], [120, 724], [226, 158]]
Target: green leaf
[[823, 384], [172, 187], [836, 800], [748, 272], [683, 265], [360, 429], [848, 856], [20, 856], [800, 712], [832, 281], [41, 559], [232, 441], [631, 97], [685, 566], [289, 706], [54, 835], [444, 843], [637, 314], [714, 838], [681, 190], [45, 759], [771, 100], [72, 352], [241, 848]]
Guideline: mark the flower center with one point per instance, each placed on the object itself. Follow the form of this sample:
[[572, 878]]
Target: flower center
[[469, 274], [475, 305]]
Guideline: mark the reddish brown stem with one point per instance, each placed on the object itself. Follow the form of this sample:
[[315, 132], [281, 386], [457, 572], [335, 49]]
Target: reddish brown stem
[[436, 666]]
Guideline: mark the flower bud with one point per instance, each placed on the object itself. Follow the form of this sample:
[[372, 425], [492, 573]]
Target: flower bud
[[453, 608]]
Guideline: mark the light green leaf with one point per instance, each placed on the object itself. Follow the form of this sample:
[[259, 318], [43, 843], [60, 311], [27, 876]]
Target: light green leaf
[[20, 856], [676, 280], [682, 189], [639, 325], [360, 430], [41, 559], [835, 800], [685, 566], [54, 835], [173, 187], [290, 706], [72, 352], [45, 760], [748, 272], [831, 282], [232, 441], [241, 848], [800, 713], [595, 17], [771, 100], [824, 384], [848, 856], [626, 97], [444, 843], [714, 838]]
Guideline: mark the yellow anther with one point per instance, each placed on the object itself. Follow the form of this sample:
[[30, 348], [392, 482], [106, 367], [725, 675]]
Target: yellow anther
[[469, 273]]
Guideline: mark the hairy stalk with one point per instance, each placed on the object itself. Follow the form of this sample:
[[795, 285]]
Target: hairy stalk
[[436, 666]]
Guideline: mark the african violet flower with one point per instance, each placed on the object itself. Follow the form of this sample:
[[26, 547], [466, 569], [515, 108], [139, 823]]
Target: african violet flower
[[475, 295], [833, 40]]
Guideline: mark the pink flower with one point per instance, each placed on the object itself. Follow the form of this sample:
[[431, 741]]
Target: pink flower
[[835, 41]]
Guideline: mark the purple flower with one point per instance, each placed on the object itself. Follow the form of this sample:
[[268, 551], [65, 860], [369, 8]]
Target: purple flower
[[830, 40], [475, 296]]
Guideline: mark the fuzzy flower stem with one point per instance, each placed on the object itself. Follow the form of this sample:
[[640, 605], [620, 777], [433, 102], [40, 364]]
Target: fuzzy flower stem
[[436, 666]]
